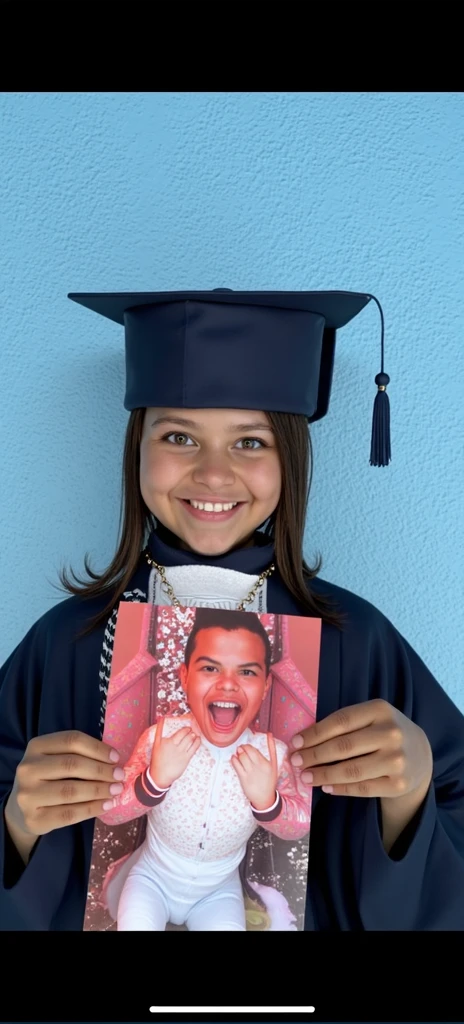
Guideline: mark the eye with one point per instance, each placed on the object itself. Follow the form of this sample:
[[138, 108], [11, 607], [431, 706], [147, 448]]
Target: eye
[[180, 439], [248, 442], [249, 672]]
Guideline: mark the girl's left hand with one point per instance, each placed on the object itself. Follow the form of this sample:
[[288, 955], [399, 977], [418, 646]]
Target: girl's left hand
[[378, 753]]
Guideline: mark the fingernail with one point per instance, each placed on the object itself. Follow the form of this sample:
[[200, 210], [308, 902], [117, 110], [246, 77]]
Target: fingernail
[[327, 789], [297, 742], [114, 756], [108, 805], [119, 773], [307, 776], [116, 788], [297, 760]]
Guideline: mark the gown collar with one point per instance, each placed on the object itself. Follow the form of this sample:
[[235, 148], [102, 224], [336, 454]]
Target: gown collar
[[164, 547]]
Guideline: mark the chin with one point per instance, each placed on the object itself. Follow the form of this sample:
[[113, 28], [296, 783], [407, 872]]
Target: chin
[[207, 548], [214, 546], [223, 739]]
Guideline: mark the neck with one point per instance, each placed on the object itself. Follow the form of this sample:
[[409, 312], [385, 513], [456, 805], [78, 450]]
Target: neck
[[225, 749], [249, 542], [252, 540], [252, 555]]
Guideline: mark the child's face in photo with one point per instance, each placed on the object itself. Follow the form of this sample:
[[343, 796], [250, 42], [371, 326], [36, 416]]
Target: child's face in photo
[[225, 682]]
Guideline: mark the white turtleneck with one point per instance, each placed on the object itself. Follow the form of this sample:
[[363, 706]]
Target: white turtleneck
[[205, 586]]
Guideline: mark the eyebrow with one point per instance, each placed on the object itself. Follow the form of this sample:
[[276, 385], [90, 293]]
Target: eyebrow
[[246, 664], [181, 422]]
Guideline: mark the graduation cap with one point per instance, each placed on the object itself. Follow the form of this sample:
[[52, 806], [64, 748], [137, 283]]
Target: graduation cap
[[265, 350]]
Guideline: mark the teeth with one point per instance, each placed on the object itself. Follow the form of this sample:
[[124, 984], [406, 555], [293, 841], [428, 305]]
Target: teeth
[[209, 506], [225, 704]]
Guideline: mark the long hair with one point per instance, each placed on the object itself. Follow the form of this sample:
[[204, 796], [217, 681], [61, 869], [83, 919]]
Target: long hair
[[285, 526]]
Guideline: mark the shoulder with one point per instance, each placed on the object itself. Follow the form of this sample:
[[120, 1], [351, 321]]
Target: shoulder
[[57, 627], [360, 615], [371, 646], [172, 723], [368, 653], [70, 613], [61, 626], [375, 659]]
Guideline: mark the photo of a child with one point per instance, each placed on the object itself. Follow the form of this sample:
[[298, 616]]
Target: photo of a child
[[207, 779]]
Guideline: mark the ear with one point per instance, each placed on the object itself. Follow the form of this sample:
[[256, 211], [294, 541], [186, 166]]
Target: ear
[[267, 686], [183, 673]]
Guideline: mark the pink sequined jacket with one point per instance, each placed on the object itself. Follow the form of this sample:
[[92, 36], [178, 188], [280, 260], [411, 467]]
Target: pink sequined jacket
[[206, 807]]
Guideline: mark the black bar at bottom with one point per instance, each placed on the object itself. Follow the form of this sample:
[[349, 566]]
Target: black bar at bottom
[[138, 977]]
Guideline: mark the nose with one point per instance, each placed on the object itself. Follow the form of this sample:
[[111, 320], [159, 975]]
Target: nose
[[228, 682], [213, 471]]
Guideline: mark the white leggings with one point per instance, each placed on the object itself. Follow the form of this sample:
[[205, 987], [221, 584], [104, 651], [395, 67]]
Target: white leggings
[[149, 901]]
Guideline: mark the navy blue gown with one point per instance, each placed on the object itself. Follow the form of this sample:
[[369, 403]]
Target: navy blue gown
[[50, 682]]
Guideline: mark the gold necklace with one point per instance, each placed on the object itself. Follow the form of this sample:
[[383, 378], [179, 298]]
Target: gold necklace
[[177, 603]]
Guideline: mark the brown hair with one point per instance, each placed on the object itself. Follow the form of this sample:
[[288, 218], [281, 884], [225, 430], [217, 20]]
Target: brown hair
[[285, 526]]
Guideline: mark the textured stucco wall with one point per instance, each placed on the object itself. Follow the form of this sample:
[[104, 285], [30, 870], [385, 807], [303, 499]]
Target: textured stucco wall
[[140, 191]]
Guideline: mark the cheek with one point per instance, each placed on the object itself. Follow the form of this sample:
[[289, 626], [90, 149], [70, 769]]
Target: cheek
[[198, 685], [265, 479], [196, 692], [255, 695], [158, 473]]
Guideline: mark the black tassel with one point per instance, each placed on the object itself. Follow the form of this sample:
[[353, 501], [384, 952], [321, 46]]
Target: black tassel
[[380, 441]]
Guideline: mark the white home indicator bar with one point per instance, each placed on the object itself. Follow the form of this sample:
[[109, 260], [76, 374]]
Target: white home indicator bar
[[231, 1009]]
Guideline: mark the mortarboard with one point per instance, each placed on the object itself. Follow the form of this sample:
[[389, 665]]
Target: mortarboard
[[239, 350]]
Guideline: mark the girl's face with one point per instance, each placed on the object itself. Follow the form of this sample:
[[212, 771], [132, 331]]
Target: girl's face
[[211, 476]]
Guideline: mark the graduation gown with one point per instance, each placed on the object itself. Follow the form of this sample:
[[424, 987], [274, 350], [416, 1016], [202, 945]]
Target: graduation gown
[[50, 682]]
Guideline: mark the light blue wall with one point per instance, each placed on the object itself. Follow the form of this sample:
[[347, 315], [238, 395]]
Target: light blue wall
[[286, 191]]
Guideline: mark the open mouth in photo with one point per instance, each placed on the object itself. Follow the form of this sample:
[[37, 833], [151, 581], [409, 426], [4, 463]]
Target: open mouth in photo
[[224, 714]]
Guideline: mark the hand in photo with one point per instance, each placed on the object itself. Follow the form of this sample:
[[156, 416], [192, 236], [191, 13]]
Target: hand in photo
[[257, 774], [171, 755]]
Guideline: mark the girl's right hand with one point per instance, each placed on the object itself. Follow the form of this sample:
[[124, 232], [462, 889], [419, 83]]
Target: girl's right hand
[[63, 778], [171, 755]]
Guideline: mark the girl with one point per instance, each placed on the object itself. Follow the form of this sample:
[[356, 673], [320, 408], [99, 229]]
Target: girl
[[221, 387]]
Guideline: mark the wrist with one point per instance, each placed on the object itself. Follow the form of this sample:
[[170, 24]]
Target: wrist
[[162, 786], [147, 792], [268, 803], [398, 812], [22, 840], [270, 813]]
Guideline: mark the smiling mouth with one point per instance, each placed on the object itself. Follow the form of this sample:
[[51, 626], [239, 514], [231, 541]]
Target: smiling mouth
[[211, 511], [213, 506], [224, 714]]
